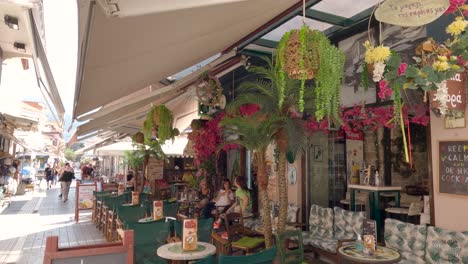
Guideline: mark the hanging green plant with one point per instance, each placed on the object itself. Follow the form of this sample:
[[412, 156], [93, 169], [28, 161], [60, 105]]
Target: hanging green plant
[[305, 54], [138, 138], [159, 119]]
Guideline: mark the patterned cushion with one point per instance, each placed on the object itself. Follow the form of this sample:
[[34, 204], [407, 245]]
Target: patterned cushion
[[347, 223], [327, 244], [292, 213], [408, 239], [321, 221], [444, 246], [252, 223]]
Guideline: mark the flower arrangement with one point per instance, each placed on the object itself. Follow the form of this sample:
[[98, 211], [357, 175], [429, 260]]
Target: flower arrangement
[[375, 58]]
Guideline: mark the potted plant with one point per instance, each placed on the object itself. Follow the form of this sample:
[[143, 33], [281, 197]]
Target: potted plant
[[158, 124], [305, 54]]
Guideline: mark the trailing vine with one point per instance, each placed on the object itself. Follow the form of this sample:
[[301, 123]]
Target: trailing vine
[[160, 119], [317, 58]]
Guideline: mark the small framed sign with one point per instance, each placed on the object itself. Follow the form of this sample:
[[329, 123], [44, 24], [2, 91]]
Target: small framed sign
[[369, 234]]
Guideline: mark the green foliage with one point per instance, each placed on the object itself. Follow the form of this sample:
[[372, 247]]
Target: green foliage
[[365, 76], [69, 154], [164, 125]]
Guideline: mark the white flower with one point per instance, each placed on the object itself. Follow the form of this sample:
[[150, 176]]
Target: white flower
[[379, 68], [441, 96]]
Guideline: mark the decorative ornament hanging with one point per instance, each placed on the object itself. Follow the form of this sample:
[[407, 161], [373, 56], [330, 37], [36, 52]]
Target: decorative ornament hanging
[[209, 90]]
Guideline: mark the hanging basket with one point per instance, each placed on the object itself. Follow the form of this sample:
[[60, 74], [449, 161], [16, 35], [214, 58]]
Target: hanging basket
[[209, 90], [139, 138], [292, 56]]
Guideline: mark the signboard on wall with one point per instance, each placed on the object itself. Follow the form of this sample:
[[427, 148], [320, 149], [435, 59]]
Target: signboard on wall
[[410, 13], [453, 167], [155, 169], [456, 99]]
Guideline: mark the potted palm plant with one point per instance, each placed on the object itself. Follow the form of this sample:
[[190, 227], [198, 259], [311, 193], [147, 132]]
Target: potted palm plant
[[255, 134], [290, 134]]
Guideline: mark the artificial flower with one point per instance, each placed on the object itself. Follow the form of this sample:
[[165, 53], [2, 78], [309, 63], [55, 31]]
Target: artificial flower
[[454, 6], [457, 26], [384, 90], [453, 58], [379, 68], [402, 68], [376, 54], [440, 65], [441, 96], [249, 109]]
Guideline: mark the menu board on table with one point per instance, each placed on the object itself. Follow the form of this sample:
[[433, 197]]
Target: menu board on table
[[157, 210], [189, 234], [84, 197], [369, 234], [135, 198], [453, 167]]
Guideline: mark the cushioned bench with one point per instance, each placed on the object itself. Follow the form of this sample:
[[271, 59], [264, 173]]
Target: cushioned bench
[[421, 244], [330, 228]]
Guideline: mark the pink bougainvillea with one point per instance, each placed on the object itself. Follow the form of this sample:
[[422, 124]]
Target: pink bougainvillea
[[312, 125]]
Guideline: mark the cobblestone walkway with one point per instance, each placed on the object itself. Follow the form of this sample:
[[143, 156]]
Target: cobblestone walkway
[[30, 218]]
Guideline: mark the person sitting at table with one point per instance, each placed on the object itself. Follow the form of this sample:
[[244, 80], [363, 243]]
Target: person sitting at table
[[225, 196], [243, 198], [205, 196]]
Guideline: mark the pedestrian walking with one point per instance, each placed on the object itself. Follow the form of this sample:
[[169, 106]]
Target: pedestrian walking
[[66, 176], [49, 175]]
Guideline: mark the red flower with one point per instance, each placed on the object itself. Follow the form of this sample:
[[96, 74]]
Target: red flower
[[402, 68], [249, 109], [454, 5], [384, 90]]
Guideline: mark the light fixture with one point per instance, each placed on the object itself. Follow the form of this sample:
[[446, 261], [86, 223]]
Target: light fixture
[[11, 22], [20, 46]]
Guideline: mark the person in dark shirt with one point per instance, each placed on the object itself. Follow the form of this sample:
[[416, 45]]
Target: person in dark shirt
[[49, 175]]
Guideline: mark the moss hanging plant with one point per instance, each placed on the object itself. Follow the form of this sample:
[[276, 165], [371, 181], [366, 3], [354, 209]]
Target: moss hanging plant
[[159, 119], [305, 54]]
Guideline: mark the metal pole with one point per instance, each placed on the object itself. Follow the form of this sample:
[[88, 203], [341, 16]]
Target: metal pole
[[247, 169]]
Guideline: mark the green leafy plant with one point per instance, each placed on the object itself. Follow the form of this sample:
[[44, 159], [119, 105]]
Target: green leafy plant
[[159, 118], [317, 57]]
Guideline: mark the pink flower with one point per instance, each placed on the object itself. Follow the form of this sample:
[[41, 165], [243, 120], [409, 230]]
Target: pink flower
[[454, 5], [402, 68], [384, 90], [249, 109]]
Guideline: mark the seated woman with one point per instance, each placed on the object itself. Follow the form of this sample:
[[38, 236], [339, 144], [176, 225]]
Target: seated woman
[[205, 196], [243, 203], [225, 196]]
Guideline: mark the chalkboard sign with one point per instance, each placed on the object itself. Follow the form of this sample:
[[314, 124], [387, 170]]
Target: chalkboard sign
[[369, 229], [453, 167]]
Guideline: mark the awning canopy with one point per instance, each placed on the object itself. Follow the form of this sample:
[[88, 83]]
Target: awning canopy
[[127, 45], [21, 39]]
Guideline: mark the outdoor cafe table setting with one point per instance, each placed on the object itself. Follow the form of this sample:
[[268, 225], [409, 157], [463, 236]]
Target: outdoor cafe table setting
[[174, 251], [381, 255]]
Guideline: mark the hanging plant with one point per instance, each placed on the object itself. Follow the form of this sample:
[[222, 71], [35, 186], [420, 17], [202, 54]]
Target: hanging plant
[[209, 90], [304, 54], [139, 138], [158, 124]]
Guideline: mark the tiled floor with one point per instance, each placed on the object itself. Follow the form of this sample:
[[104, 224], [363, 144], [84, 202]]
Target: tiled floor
[[30, 218]]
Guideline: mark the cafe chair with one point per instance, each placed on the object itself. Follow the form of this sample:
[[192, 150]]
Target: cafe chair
[[409, 215], [129, 215], [290, 255], [148, 238], [263, 257], [205, 226], [170, 209], [408, 239], [206, 260], [238, 236]]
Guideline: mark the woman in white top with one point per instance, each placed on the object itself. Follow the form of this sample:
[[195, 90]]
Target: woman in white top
[[225, 196]]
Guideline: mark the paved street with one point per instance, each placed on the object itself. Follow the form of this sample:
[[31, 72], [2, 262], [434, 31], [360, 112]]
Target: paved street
[[30, 218]]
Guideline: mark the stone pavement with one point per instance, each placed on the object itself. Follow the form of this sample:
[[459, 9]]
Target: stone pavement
[[30, 218]]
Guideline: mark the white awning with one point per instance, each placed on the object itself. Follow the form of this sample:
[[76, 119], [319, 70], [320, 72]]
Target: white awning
[[127, 45]]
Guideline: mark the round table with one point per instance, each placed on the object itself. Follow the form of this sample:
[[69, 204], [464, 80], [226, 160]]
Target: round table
[[173, 251], [382, 255]]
